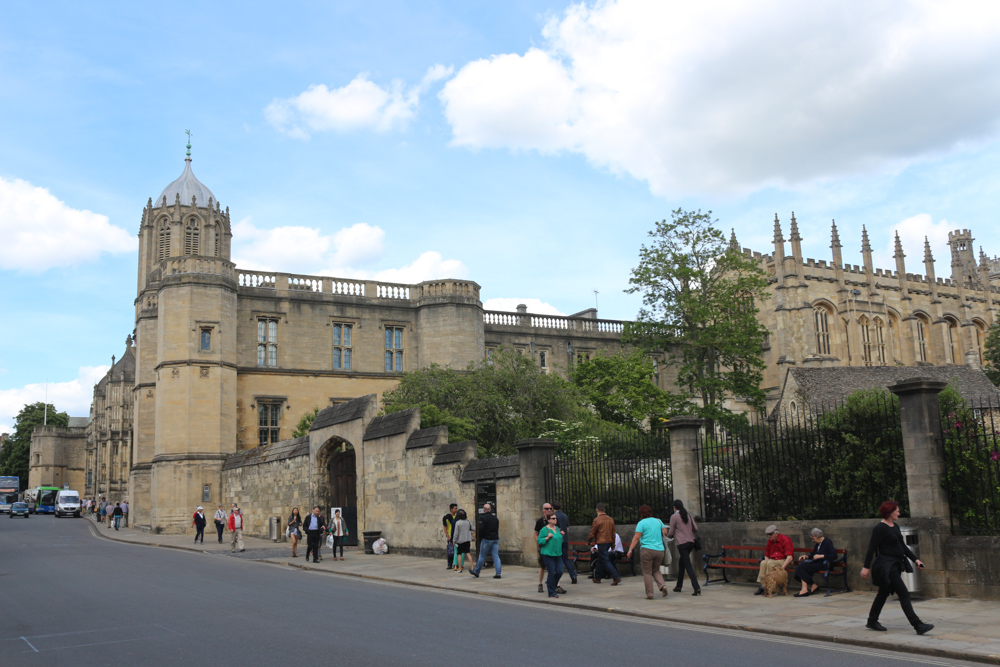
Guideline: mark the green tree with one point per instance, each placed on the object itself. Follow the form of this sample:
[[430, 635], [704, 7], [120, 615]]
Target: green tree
[[14, 455], [700, 296], [500, 400], [991, 354], [620, 388], [302, 428]]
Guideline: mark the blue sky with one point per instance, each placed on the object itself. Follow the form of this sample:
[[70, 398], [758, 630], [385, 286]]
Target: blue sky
[[526, 145]]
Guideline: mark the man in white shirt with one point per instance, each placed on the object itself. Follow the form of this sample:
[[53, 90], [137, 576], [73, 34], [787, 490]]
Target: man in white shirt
[[220, 521]]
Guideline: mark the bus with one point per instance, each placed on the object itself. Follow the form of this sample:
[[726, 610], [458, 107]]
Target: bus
[[41, 499], [10, 492]]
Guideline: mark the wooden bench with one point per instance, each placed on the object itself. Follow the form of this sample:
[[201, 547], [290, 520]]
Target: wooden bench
[[579, 553], [723, 561]]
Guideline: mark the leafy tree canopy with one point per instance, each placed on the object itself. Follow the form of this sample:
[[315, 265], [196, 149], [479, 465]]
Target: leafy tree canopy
[[496, 401], [302, 428], [621, 388], [14, 455], [991, 354], [700, 296]]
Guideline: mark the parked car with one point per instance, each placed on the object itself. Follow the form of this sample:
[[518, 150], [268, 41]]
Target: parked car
[[19, 509]]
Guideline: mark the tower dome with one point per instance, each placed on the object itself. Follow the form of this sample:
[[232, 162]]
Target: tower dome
[[187, 185]]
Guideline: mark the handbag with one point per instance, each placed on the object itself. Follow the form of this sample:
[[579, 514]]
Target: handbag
[[697, 542]]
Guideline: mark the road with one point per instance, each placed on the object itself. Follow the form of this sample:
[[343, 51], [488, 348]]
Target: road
[[71, 598]]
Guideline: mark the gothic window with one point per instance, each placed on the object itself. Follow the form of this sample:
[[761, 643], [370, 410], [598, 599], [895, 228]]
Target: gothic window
[[921, 340], [542, 360], [342, 350], [952, 339], [979, 340], [847, 340], [268, 420], [206, 340], [163, 241], [218, 241], [866, 341], [394, 349], [191, 238], [267, 342], [821, 317], [879, 342]]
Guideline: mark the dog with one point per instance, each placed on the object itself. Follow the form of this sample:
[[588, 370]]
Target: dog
[[775, 580]]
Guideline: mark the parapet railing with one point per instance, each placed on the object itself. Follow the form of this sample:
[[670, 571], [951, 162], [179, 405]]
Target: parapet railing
[[505, 319], [348, 287]]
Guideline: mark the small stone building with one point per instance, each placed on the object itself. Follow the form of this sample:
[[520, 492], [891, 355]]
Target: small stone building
[[57, 453]]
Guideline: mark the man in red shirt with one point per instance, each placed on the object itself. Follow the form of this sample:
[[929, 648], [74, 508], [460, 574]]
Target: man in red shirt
[[778, 553]]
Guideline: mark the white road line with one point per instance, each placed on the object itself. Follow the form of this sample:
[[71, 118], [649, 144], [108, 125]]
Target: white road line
[[30, 644]]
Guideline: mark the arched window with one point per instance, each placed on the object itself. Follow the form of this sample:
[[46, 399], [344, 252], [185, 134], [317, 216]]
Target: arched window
[[879, 342], [191, 237], [980, 330], [822, 319], [163, 240], [218, 240], [953, 339], [866, 340], [921, 339]]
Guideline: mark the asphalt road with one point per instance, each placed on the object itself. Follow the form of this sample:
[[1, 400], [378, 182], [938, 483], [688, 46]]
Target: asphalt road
[[70, 598]]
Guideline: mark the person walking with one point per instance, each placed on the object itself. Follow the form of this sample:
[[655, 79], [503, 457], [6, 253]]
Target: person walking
[[890, 553], [102, 510], [683, 528], [602, 533], [315, 526], [338, 529], [543, 521], [125, 512], [295, 530], [550, 540], [117, 515], [489, 541], [563, 520], [650, 533], [111, 513], [236, 524], [461, 535], [220, 521], [198, 520], [447, 524]]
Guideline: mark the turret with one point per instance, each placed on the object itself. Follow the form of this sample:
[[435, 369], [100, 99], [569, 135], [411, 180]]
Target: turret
[[963, 258]]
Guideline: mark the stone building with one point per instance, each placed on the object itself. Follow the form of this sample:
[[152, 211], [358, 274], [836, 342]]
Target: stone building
[[56, 455], [109, 434], [828, 313], [228, 359]]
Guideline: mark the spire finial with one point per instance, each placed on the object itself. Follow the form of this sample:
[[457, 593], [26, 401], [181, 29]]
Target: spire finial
[[927, 251], [865, 245], [778, 238], [899, 246], [834, 236], [733, 243], [188, 132], [794, 235]]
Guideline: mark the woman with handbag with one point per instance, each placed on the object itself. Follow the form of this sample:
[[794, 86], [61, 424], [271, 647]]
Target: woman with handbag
[[890, 555], [461, 535], [684, 530], [295, 530], [339, 533], [649, 533]]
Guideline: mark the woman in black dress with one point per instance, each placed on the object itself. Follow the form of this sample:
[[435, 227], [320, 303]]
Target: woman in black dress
[[890, 556], [295, 530]]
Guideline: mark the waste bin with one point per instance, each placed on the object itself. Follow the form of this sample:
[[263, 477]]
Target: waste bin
[[911, 538], [370, 537], [274, 526]]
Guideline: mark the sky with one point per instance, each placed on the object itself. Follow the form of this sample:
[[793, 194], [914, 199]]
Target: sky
[[529, 146]]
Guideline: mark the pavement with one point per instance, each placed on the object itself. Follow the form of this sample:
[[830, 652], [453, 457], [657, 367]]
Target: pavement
[[963, 629]]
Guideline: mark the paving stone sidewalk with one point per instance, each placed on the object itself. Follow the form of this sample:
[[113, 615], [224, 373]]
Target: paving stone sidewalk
[[964, 629]]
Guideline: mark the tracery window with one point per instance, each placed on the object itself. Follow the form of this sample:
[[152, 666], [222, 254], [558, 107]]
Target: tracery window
[[267, 342], [866, 341], [394, 349], [191, 237], [921, 340], [342, 346], [952, 329], [879, 343], [821, 317], [268, 418], [163, 240], [218, 241], [979, 341]]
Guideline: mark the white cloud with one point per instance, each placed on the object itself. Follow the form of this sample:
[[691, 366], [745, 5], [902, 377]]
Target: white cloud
[[73, 397], [536, 306], [733, 96], [912, 232], [361, 104], [40, 232], [351, 252]]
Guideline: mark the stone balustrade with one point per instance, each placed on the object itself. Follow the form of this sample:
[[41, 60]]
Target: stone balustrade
[[534, 321], [349, 287]]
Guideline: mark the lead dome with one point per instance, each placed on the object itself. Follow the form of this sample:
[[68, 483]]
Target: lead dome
[[187, 185]]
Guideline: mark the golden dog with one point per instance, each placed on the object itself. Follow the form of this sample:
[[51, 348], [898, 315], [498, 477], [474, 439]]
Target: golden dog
[[775, 580]]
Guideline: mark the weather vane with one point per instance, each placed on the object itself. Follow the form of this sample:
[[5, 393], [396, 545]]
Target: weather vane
[[188, 132]]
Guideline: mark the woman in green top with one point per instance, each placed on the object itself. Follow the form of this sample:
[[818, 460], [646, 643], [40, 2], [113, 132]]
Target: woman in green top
[[550, 539], [650, 533]]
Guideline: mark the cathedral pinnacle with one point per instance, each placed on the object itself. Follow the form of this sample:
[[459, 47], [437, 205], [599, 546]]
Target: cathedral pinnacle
[[899, 247], [778, 238], [834, 236], [865, 245], [733, 243], [927, 251], [794, 229]]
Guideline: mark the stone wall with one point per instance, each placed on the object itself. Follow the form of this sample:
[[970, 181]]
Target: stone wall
[[265, 482], [57, 457]]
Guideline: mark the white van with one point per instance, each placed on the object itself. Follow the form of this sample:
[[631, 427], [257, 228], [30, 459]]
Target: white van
[[68, 503]]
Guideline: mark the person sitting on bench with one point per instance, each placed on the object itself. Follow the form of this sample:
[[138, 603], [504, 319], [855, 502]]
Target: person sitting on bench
[[778, 553], [822, 555]]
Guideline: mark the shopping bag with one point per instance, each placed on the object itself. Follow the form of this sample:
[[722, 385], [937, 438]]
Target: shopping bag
[[329, 541]]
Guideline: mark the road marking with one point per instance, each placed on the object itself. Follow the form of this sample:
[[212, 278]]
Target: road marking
[[29, 644]]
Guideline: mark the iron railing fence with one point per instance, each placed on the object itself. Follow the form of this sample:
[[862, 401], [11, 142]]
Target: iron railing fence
[[970, 440], [623, 471], [835, 463]]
